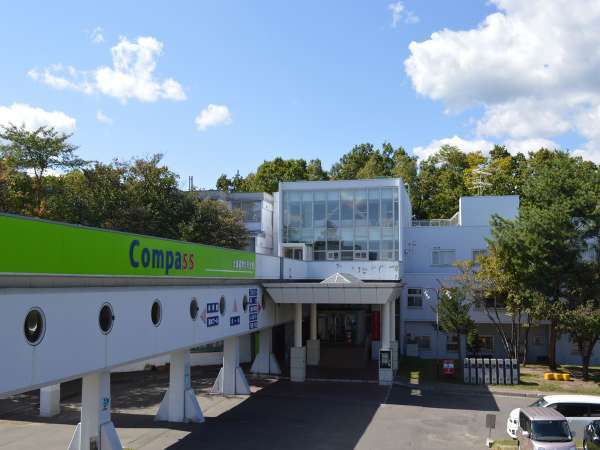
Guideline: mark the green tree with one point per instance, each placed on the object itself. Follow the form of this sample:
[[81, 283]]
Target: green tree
[[583, 325], [351, 163], [224, 183], [39, 151], [157, 206], [315, 171], [453, 311], [214, 224]]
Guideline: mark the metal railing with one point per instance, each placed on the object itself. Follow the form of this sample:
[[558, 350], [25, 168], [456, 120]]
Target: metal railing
[[451, 222]]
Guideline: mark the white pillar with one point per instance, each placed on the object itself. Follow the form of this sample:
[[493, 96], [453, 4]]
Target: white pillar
[[298, 325], [95, 430], [313, 321], [231, 379], [393, 341], [265, 362], [298, 352], [386, 375], [50, 401], [180, 403], [313, 345]]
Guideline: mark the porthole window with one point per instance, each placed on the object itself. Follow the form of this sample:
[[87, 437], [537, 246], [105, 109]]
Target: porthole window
[[222, 305], [194, 308], [106, 318], [156, 313], [245, 303], [34, 326]]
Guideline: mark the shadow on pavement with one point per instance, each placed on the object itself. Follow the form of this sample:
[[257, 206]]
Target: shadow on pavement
[[482, 400]]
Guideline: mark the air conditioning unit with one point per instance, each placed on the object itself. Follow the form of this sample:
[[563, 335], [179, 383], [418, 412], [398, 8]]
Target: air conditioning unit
[[333, 256]]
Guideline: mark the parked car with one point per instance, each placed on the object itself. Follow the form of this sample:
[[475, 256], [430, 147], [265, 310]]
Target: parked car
[[543, 429], [579, 410], [591, 436]]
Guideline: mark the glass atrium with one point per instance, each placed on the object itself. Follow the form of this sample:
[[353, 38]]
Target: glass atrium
[[349, 224]]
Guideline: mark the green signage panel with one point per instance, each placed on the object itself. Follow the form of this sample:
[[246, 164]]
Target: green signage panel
[[39, 247]]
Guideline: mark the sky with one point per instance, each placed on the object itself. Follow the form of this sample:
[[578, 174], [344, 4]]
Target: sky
[[220, 86]]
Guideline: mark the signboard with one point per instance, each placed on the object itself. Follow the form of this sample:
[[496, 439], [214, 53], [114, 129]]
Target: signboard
[[212, 321], [212, 308], [385, 359], [233, 321], [41, 247], [252, 308]]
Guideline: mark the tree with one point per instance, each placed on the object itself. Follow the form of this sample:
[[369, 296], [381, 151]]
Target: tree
[[223, 183], [39, 151], [583, 325], [214, 224], [349, 165], [156, 205], [315, 171], [453, 309]]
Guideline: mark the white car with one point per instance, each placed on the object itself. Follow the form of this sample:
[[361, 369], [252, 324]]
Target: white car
[[578, 409]]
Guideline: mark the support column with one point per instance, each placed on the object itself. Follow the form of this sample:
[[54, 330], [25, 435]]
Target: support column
[[180, 403], [313, 345], [298, 352], [50, 401], [96, 430], [386, 375], [231, 379], [265, 362], [393, 341]]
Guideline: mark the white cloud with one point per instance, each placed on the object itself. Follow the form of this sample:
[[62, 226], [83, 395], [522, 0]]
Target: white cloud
[[532, 65], [465, 145], [212, 116], [529, 145], [103, 118], [32, 118], [401, 14], [130, 77], [96, 35]]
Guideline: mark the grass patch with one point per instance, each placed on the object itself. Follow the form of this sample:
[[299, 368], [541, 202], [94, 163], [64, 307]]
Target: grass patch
[[509, 444], [422, 371]]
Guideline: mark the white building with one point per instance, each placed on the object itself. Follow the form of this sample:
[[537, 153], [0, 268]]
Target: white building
[[365, 228]]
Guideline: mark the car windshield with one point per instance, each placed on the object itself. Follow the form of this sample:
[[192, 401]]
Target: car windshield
[[550, 430], [540, 403]]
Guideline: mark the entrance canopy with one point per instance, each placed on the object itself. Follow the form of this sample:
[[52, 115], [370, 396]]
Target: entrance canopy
[[339, 288]]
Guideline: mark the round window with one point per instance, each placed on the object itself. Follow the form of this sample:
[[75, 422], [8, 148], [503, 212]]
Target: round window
[[245, 303], [194, 308], [106, 318], [222, 305], [156, 313], [34, 326]]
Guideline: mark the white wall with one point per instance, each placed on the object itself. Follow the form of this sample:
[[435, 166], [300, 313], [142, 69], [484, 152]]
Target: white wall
[[365, 270], [74, 345], [478, 210]]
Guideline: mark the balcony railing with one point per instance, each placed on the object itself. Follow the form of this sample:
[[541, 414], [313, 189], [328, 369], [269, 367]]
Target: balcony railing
[[451, 222]]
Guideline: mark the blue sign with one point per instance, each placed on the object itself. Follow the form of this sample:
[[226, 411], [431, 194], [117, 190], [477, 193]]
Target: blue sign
[[252, 325], [212, 308], [252, 300], [233, 321], [212, 321], [253, 308], [253, 316], [253, 292]]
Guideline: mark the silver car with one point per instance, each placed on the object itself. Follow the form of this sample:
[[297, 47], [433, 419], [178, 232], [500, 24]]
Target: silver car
[[543, 429]]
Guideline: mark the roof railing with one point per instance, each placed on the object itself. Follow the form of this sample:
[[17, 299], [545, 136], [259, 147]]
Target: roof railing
[[451, 222]]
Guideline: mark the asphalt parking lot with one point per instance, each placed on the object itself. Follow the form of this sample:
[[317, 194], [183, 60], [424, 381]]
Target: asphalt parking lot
[[278, 415]]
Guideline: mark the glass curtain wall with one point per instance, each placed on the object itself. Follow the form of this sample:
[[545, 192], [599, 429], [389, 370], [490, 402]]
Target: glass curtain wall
[[346, 225]]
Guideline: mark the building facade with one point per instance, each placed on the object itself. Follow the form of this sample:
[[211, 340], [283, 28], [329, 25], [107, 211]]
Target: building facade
[[365, 228]]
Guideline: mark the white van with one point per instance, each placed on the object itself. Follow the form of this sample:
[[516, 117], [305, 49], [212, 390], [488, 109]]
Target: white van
[[578, 409]]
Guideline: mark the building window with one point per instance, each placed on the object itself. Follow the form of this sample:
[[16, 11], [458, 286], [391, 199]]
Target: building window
[[348, 224], [424, 342], [487, 343], [442, 257], [478, 253], [452, 343], [250, 209], [415, 297]]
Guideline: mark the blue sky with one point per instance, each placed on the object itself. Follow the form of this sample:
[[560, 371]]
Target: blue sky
[[293, 79]]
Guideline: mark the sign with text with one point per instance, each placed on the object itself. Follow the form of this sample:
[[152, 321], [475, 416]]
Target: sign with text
[[233, 321], [212, 321]]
